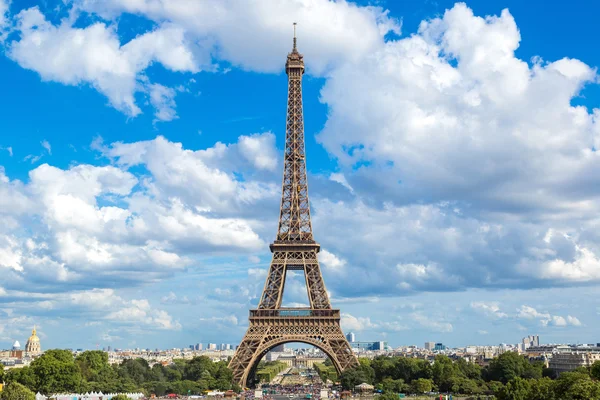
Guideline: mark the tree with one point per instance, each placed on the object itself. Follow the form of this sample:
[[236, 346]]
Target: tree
[[357, 375], [2, 374], [120, 397], [516, 389], [541, 389], [421, 385], [56, 372], [90, 363], [595, 370], [494, 387], [566, 380], [444, 371], [16, 391], [468, 369], [583, 389], [507, 366], [196, 366], [388, 396], [24, 376]]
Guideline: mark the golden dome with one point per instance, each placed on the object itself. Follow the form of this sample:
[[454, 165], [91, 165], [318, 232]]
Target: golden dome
[[33, 344], [33, 337]]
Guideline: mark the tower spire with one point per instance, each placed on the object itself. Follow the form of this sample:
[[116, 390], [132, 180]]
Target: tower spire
[[294, 217], [294, 49]]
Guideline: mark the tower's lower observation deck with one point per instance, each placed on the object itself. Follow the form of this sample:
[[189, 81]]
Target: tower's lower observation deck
[[295, 313]]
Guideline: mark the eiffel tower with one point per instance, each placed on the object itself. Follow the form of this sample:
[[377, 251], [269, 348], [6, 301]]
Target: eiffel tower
[[294, 249]]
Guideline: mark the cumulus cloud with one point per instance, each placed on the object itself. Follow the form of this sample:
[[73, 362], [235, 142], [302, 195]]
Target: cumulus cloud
[[162, 99], [94, 55], [331, 32], [546, 319], [4, 6], [491, 309], [351, 323], [432, 323], [102, 225], [331, 261]]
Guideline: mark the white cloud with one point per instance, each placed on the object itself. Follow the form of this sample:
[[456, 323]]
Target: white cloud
[[259, 149], [101, 225], [423, 110], [341, 179], [433, 324], [229, 320], [352, 323], [491, 309], [94, 55], [46, 145], [546, 319], [4, 6], [162, 99], [329, 32], [331, 260]]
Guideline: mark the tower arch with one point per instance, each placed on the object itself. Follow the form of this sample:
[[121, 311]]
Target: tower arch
[[269, 345]]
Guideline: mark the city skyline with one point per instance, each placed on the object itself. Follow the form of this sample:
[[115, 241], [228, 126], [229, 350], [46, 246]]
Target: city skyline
[[452, 158]]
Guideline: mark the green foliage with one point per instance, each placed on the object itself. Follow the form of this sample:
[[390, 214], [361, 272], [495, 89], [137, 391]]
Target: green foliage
[[56, 372], [516, 389], [421, 386], [388, 396], [364, 373], [576, 385], [511, 365], [16, 391], [120, 397], [2, 373], [595, 370], [541, 389], [266, 371], [326, 372]]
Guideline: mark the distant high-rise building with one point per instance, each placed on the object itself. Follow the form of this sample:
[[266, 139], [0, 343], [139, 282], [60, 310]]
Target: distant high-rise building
[[191, 347], [278, 349], [212, 346], [108, 349], [228, 346], [198, 346], [530, 341], [429, 346], [439, 347], [350, 337]]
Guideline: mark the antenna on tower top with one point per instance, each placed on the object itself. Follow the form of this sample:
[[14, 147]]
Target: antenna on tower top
[[294, 36]]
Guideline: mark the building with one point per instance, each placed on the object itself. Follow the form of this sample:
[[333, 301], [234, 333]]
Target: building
[[566, 358], [350, 337], [279, 349], [33, 347], [439, 347], [429, 346], [212, 346], [368, 346], [530, 341]]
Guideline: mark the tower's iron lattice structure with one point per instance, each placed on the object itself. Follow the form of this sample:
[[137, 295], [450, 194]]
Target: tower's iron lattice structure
[[293, 249]]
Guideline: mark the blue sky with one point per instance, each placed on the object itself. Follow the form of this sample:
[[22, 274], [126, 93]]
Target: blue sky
[[451, 155]]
